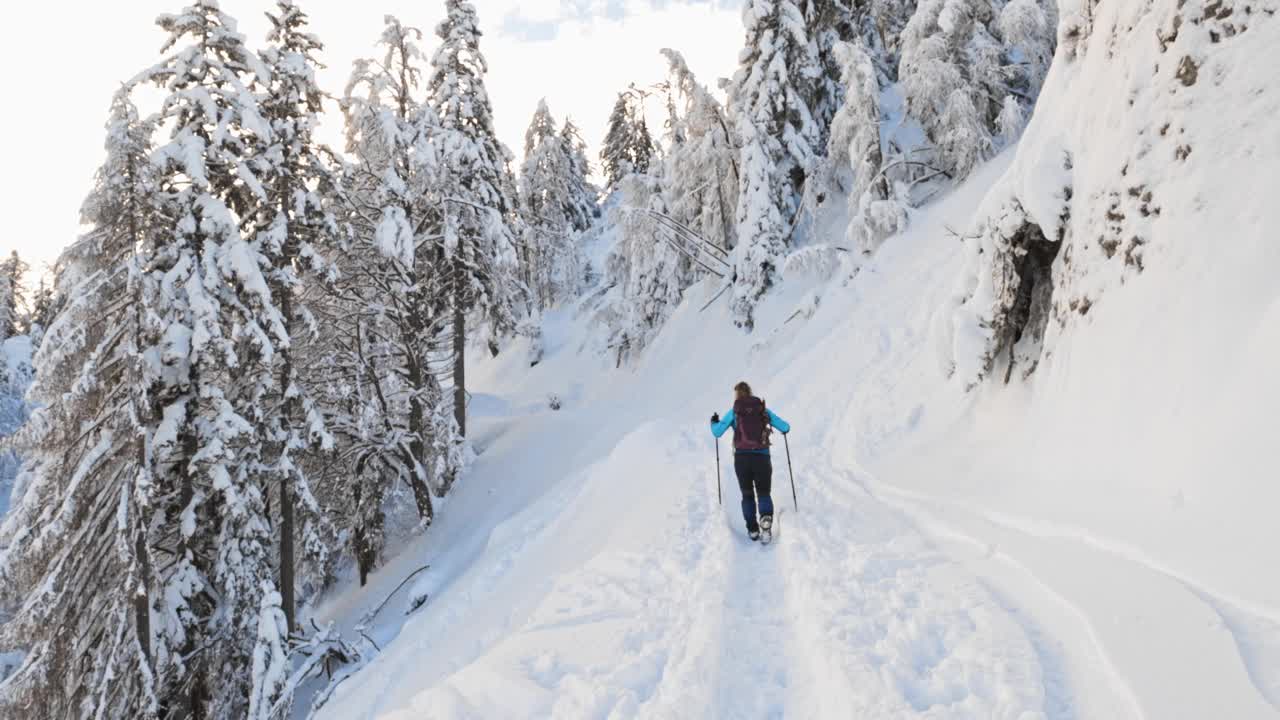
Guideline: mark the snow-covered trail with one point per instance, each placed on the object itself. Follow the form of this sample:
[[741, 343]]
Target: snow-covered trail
[[672, 611], [755, 654]]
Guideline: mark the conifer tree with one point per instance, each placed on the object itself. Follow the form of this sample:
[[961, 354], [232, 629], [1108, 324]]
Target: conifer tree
[[551, 208], [76, 557], [628, 147], [960, 63], [294, 228], [827, 24], [219, 328], [583, 194], [12, 295], [777, 132], [8, 305], [477, 186]]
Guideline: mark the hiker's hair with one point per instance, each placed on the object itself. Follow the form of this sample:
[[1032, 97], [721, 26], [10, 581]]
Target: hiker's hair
[[742, 389]]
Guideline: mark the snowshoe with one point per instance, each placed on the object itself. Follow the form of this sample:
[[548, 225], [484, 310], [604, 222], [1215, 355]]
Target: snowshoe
[[753, 534]]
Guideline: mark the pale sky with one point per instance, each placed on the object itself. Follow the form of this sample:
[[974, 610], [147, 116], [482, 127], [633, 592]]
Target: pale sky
[[61, 63]]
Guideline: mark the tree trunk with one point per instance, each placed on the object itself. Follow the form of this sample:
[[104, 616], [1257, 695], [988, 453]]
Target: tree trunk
[[286, 553], [190, 695], [286, 501], [362, 558], [418, 421], [142, 597], [459, 365]]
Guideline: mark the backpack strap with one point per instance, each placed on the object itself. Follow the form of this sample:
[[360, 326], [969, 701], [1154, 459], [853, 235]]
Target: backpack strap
[[766, 423]]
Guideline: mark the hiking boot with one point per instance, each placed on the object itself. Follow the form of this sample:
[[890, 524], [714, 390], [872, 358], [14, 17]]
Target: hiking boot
[[754, 534], [766, 522]]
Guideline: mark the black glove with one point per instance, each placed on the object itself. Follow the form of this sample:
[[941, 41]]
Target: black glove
[[715, 418]]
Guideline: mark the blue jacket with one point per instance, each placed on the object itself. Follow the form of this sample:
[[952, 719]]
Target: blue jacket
[[727, 420]]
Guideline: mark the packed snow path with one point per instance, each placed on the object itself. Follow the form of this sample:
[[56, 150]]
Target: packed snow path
[[850, 612]]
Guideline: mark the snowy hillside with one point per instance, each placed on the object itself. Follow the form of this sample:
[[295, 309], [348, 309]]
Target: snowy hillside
[[1090, 539], [394, 432]]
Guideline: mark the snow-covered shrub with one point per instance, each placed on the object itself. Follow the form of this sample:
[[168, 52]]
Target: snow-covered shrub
[[817, 263]]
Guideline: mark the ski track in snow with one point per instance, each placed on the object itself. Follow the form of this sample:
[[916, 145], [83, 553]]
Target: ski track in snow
[[753, 668], [893, 628], [1073, 565]]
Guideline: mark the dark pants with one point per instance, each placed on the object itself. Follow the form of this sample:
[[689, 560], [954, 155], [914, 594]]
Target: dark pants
[[755, 476]]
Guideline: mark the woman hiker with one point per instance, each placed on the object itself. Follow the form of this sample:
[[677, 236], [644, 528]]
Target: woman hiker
[[752, 422]]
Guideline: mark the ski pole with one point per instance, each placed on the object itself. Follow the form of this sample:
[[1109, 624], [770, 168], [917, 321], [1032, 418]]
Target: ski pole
[[789, 470], [719, 499]]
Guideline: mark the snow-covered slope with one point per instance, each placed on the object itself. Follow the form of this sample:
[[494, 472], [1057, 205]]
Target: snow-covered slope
[[1093, 539], [1134, 471], [599, 575]]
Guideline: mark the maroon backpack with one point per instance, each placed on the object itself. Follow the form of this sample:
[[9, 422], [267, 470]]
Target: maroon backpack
[[751, 424]]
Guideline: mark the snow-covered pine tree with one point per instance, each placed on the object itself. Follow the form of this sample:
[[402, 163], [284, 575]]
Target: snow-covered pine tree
[[1029, 31], [937, 86], [541, 127], [8, 304], [828, 23], [583, 205], [388, 309], [701, 188], [479, 206], [13, 269], [294, 228], [219, 328], [855, 158], [538, 223], [77, 560], [628, 146], [777, 132], [961, 61], [41, 311], [551, 209], [613, 156]]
